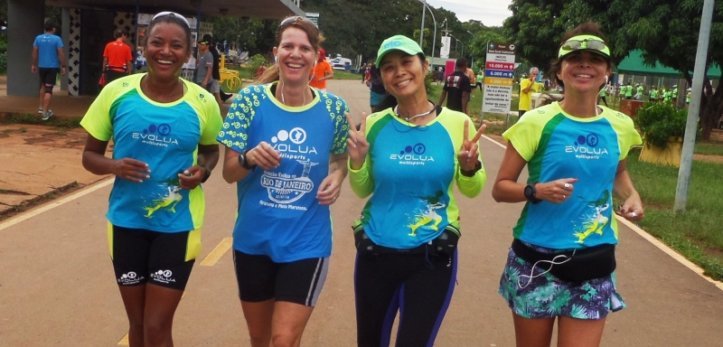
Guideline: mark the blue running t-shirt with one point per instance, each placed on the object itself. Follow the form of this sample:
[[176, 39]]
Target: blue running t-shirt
[[278, 213]]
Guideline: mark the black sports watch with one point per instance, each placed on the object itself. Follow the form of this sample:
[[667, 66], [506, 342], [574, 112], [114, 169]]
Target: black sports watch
[[530, 193], [243, 162]]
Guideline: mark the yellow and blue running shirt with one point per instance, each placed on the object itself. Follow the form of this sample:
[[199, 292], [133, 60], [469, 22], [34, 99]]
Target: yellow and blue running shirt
[[278, 212], [410, 171], [558, 145], [166, 137]]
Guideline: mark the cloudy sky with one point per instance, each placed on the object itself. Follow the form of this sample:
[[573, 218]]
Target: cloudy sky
[[489, 12]]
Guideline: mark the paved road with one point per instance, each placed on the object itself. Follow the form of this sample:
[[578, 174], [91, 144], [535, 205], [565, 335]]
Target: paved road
[[57, 288]]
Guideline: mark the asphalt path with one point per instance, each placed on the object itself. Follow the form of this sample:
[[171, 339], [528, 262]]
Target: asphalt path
[[57, 285]]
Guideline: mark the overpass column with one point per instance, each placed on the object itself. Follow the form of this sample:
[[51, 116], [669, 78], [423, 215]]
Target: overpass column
[[25, 21]]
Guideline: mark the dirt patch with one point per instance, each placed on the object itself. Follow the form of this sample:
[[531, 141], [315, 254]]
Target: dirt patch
[[718, 159], [39, 163]]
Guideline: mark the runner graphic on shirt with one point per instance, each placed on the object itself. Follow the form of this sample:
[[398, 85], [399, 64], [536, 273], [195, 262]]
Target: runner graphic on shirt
[[596, 220]]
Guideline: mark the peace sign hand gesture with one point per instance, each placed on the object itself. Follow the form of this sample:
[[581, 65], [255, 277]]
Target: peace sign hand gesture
[[468, 154], [357, 143]]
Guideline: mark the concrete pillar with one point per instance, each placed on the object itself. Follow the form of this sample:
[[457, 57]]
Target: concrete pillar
[[25, 21]]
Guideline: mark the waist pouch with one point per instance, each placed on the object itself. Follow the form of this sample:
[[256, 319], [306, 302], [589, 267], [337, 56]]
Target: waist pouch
[[444, 244], [582, 265]]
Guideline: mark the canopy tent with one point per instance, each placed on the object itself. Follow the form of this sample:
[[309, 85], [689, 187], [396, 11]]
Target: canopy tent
[[635, 64]]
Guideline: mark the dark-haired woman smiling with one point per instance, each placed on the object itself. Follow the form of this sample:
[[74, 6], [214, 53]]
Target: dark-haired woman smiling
[[560, 267], [163, 129]]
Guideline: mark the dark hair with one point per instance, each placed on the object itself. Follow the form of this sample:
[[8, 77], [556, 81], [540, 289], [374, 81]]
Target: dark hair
[[174, 18], [312, 32], [461, 62], [118, 33], [49, 25], [587, 28]]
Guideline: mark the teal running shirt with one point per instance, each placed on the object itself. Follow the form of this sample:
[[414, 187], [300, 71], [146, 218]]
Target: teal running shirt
[[410, 171], [166, 137], [558, 145]]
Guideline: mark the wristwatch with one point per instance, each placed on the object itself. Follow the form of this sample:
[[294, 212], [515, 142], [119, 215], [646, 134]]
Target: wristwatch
[[530, 193], [243, 162]]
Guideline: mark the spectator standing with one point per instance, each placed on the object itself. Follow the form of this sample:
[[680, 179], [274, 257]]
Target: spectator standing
[[322, 71], [527, 87], [204, 65], [117, 57], [215, 87], [48, 59], [457, 88]]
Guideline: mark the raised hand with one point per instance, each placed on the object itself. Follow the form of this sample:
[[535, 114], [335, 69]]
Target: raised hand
[[468, 154], [357, 144]]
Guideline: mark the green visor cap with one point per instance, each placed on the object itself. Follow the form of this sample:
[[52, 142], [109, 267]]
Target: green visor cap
[[398, 43], [590, 43]]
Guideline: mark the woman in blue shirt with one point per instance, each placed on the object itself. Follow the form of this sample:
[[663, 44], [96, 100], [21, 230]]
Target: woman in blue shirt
[[409, 158], [562, 259]]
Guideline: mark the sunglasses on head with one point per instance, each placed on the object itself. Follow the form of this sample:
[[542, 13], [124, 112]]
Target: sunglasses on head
[[293, 19], [171, 14], [582, 42]]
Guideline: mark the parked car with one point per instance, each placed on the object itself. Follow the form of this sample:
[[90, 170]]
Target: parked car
[[340, 63]]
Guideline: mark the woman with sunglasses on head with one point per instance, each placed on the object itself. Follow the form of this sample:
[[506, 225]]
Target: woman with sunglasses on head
[[408, 158], [286, 149], [562, 261], [164, 146]]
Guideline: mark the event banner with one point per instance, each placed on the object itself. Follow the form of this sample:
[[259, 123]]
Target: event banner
[[499, 74]]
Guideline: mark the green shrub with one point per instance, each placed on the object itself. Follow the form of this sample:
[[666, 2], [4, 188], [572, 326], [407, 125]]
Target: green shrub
[[255, 61], [3, 55], [659, 122]]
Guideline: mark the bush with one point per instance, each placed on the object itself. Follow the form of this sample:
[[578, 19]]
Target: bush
[[255, 61], [658, 122], [3, 55]]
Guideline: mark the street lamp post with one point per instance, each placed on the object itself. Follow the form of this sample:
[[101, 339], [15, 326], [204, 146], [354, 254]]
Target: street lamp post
[[421, 30]]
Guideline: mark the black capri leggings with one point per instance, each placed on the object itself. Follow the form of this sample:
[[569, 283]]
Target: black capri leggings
[[418, 286]]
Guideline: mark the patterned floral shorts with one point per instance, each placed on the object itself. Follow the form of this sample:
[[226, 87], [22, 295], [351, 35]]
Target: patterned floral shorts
[[545, 296]]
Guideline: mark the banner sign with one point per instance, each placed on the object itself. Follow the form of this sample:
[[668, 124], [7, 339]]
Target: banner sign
[[499, 74]]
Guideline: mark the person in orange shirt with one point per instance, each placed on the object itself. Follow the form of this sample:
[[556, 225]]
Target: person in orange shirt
[[322, 71], [117, 57]]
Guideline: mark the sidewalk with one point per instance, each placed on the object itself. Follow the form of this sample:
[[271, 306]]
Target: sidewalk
[[62, 104]]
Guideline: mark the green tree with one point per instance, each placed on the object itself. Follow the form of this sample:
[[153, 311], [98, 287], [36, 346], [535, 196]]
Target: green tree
[[665, 30]]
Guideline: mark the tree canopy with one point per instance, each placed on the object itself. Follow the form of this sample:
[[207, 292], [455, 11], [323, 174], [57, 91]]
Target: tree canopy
[[665, 30]]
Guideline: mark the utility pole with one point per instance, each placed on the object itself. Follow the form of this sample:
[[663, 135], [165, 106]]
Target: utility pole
[[686, 161]]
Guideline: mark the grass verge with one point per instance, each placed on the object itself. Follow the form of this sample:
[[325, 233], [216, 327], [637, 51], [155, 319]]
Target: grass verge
[[695, 233]]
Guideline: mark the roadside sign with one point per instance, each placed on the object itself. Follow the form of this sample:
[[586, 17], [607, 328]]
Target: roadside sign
[[499, 73]]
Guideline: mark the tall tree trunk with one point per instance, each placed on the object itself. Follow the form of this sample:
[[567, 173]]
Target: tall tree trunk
[[711, 109]]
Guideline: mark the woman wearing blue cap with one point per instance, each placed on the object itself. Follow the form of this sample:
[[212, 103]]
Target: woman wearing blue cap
[[561, 263], [408, 158]]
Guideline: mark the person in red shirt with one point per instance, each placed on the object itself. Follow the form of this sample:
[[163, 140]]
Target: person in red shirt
[[322, 71], [117, 57]]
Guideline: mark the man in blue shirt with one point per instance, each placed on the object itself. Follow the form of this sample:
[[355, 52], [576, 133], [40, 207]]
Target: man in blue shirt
[[48, 60]]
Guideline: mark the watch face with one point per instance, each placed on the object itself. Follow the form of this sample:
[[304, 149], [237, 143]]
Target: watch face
[[530, 192]]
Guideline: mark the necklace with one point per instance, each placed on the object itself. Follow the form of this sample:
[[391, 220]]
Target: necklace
[[283, 100], [409, 118]]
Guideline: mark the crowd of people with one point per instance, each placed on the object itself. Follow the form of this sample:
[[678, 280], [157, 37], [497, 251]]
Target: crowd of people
[[407, 233]]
